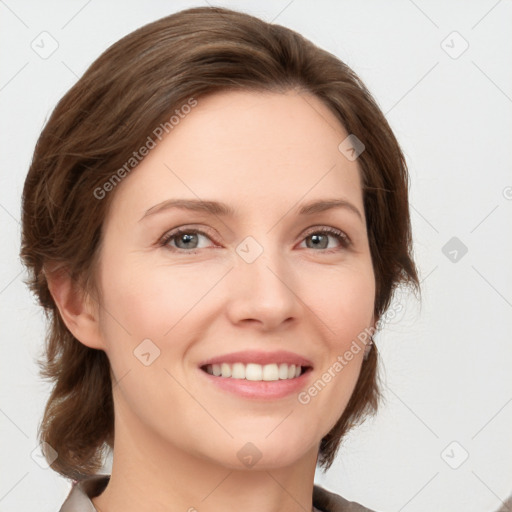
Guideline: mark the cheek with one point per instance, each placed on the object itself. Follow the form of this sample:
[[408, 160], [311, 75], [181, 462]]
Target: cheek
[[346, 312], [343, 300], [148, 300]]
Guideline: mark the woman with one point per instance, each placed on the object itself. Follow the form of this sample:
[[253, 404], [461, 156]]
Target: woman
[[220, 373]]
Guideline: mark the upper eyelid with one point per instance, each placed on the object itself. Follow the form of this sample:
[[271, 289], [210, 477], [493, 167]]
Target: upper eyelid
[[314, 229]]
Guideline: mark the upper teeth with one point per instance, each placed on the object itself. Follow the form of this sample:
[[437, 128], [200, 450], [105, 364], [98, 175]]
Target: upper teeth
[[254, 371]]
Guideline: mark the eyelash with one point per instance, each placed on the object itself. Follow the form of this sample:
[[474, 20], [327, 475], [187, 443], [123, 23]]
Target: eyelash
[[342, 238]]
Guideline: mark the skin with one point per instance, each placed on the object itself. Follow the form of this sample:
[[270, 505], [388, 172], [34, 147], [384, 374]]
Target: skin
[[176, 435]]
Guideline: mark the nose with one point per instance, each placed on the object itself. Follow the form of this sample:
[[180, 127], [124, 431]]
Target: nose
[[263, 292]]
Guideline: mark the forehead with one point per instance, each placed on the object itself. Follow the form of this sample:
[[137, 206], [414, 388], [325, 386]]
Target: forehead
[[247, 148]]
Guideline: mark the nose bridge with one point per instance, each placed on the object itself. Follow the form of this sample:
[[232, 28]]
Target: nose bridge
[[262, 282]]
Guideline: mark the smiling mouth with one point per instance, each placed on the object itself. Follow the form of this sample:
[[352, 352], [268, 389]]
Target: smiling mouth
[[256, 372]]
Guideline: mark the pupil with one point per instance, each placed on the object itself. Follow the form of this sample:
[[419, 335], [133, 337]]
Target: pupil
[[186, 238], [317, 239]]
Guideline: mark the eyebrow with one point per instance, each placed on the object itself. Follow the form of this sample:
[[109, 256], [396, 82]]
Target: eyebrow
[[224, 210]]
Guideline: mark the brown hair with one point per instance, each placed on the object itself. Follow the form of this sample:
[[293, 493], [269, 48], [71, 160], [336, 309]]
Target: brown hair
[[133, 87]]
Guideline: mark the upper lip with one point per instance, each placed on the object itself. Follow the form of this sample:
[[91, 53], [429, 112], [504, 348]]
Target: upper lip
[[259, 357]]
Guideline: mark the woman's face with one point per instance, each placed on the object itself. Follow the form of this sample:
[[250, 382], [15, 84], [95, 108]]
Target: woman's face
[[264, 278]]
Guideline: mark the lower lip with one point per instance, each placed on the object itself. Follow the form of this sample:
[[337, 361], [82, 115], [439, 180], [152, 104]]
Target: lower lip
[[263, 390]]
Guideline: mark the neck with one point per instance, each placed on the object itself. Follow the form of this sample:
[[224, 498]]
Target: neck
[[150, 474]]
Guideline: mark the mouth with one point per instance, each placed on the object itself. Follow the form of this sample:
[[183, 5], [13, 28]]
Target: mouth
[[258, 375], [256, 372]]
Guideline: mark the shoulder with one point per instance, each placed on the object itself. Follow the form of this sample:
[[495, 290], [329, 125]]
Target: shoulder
[[79, 498], [328, 501]]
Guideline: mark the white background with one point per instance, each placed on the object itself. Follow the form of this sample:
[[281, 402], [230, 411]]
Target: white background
[[446, 364]]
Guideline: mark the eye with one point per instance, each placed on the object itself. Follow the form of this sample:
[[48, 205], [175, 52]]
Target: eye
[[185, 239], [320, 238]]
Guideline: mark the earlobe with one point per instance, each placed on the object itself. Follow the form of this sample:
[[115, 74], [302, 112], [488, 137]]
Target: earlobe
[[78, 310]]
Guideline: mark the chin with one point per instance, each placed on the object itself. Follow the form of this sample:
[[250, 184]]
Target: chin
[[271, 453]]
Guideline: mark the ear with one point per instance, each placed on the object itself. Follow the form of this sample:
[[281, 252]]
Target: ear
[[78, 310]]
